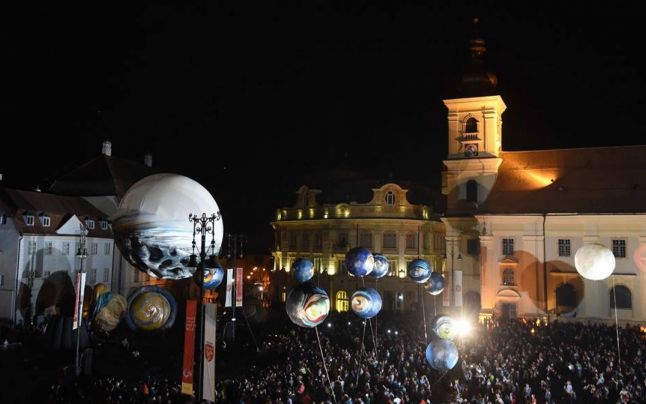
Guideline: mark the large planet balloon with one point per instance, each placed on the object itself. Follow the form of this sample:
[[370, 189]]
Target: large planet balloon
[[359, 261], [302, 270], [108, 311], [419, 270], [444, 327], [435, 284], [381, 267], [307, 305], [151, 308], [151, 226], [442, 354], [594, 261], [213, 277], [366, 302]]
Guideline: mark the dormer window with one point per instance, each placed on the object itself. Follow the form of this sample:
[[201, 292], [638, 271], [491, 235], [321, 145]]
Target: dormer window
[[104, 224], [29, 219], [390, 198], [89, 223], [45, 220]]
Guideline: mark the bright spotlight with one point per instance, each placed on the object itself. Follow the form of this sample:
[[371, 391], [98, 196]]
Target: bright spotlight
[[329, 325], [462, 327]]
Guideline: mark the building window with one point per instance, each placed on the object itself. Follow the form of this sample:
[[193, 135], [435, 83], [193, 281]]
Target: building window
[[66, 248], [472, 191], [471, 126], [283, 296], [106, 274], [365, 240], [89, 223], [411, 241], [342, 301], [340, 267], [439, 242], [390, 240], [507, 246], [49, 247], [622, 295], [318, 241], [306, 242], [3, 219], [94, 248], [91, 276], [29, 220], [565, 296], [619, 248], [473, 246], [292, 241], [342, 239], [45, 220], [32, 247], [564, 248], [104, 225], [508, 277], [390, 198], [106, 248]]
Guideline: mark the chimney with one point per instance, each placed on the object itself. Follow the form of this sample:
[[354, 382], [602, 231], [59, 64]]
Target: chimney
[[148, 159], [106, 150]]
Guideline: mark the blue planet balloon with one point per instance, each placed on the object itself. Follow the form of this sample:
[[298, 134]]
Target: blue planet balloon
[[444, 327], [419, 270], [435, 284], [442, 354], [359, 261], [302, 270], [381, 267], [213, 278], [366, 302], [307, 305]]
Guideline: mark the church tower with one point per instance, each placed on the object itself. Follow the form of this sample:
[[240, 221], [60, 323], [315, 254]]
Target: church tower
[[474, 134]]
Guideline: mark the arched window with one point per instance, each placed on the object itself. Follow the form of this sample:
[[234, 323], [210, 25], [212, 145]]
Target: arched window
[[390, 198], [472, 191], [508, 277], [622, 295], [342, 301], [471, 126], [566, 295]]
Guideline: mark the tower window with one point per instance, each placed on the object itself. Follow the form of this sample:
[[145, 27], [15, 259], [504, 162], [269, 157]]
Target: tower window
[[471, 126], [507, 246], [508, 277], [619, 248], [564, 248]]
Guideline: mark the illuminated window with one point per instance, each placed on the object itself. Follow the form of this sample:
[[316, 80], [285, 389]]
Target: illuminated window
[[283, 296], [564, 248], [619, 248], [342, 301], [390, 198], [622, 295], [89, 223], [507, 246], [29, 220], [45, 220]]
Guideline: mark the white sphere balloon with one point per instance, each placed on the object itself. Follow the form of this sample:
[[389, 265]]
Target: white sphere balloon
[[151, 226], [594, 261]]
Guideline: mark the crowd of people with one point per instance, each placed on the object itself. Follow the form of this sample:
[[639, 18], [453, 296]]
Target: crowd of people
[[502, 361]]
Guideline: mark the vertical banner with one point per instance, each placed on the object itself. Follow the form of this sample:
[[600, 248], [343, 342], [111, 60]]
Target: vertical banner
[[457, 283], [208, 371], [446, 294], [78, 304], [189, 348], [239, 285], [228, 302]]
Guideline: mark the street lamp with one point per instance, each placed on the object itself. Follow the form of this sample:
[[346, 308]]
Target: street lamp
[[82, 254], [202, 225]]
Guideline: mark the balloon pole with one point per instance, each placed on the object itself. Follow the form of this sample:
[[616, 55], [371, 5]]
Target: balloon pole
[[375, 336], [423, 314], [363, 337], [435, 305], [614, 296], [324, 365]]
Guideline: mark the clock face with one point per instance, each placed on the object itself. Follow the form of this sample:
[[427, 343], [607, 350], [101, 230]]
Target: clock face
[[471, 150]]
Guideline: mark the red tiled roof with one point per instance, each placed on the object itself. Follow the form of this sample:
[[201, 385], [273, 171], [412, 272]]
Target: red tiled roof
[[586, 181]]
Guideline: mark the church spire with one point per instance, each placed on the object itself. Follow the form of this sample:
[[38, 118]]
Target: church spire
[[475, 80]]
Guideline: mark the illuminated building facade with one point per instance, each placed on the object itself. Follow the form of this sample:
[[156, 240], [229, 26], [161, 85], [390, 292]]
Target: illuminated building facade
[[378, 216]]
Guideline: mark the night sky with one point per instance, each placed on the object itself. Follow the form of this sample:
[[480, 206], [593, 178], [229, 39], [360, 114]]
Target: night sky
[[254, 99]]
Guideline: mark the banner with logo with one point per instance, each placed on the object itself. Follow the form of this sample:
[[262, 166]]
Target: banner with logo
[[208, 369], [189, 348], [239, 285], [78, 304], [446, 294], [457, 283], [228, 301]]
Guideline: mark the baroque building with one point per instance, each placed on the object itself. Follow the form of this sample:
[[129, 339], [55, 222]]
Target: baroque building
[[396, 219]]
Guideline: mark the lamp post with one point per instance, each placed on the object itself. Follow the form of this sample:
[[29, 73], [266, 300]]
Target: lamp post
[[82, 254], [202, 225], [232, 254]]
